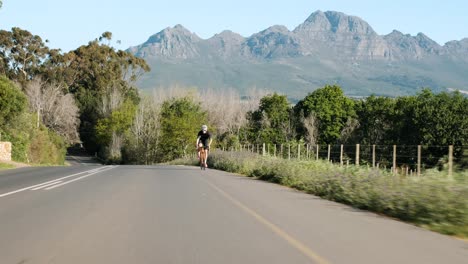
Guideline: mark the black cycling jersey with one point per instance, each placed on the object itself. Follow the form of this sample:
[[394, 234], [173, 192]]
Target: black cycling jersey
[[204, 137]]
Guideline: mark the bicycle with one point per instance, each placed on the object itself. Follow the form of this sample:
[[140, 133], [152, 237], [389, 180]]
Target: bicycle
[[202, 157]]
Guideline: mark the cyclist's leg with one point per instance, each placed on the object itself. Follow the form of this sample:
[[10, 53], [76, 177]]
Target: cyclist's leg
[[207, 151], [199, 147]]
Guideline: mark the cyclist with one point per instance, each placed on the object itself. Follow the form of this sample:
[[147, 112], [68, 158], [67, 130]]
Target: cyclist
[[204, 137]]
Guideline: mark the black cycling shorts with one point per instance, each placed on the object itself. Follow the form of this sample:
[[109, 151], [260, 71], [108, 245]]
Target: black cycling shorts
[[205, 145]]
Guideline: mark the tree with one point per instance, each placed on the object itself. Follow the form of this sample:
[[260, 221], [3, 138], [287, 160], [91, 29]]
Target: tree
[[271, 122], [54, 108], [311, 126], [439, 119], [110, 131], [145, 133], [92, 71], [332, 109], [376, 117], [22, 54], [12, 101], [181, 119]]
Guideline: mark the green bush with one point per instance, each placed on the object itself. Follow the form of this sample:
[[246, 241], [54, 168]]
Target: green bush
[[47, 148], [12, 101], [431, 201], [181, 119], [34, 145]]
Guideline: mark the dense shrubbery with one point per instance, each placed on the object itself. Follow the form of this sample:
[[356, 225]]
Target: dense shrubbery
[[432, 201], [31, 144]]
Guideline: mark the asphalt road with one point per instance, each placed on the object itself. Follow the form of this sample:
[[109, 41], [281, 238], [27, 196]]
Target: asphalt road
[[170, 214]]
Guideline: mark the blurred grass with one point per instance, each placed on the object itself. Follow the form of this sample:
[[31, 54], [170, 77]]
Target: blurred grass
[[432, 201], [6, 166]]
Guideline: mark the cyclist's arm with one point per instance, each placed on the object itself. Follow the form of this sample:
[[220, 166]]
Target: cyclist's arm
[[198, 140]]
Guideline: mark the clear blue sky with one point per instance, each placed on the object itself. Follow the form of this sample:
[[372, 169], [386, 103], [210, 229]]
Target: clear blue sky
[[69, 24]]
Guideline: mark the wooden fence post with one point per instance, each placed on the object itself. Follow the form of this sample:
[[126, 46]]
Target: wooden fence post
[[419, 161], [373, 156], [289, 151], [274, 151], [341, 155], [329, 150], [263, 149], [357, 154], [298, 151], [317, 154], [307, 154], [281, 150], [450, 161], [394, 159]]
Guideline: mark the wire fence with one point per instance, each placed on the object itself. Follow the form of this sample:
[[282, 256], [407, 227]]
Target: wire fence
[[402, 159]]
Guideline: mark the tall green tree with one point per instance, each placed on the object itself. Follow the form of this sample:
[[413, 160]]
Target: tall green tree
[[22, 54], [94, 71], [376, 116], [332, 109], [111, 131], [12, 101], [181, 120], [271, 122], [433, 119]]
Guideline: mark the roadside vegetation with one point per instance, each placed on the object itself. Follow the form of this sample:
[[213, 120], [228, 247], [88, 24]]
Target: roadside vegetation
[[433, 201], [6, 166], [50, 100]]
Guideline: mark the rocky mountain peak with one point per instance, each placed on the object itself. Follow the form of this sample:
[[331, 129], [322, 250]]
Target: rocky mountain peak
[[276, 29], [273, 42], [343, 23], [328, 47], [405, 46], [322, 32], [173, 42], [228, 35], [427, 43], [459, 49], [335, 22], [178, 33], [225, 44]]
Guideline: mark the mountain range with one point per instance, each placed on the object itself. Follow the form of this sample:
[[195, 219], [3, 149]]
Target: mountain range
[[328, 48]]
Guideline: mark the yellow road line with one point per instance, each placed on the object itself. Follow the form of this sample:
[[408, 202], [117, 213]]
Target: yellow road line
[[309, 253]]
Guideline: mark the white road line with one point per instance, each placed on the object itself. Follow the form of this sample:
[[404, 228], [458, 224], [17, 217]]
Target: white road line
[[77, 179], [37, 185], [45, 184]]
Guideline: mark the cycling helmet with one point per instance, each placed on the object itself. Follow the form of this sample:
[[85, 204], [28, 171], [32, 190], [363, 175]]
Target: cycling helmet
[[204, 128]]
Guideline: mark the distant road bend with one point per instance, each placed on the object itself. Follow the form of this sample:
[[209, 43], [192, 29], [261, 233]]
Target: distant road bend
[[89, 213]]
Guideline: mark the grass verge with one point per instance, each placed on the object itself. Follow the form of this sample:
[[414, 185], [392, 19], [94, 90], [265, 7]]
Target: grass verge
[[4, 166], [433, 201]]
